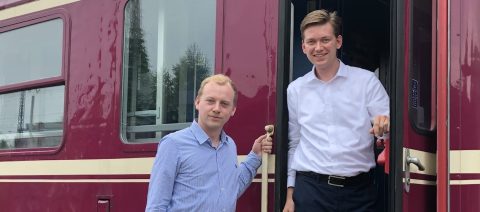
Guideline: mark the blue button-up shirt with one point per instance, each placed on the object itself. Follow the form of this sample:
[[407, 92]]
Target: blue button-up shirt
[[189, 174]]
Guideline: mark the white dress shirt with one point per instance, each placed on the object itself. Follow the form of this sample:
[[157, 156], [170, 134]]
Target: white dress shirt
[[329, 122]]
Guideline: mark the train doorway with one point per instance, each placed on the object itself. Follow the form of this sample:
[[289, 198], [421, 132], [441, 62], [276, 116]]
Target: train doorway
[[367, 44]]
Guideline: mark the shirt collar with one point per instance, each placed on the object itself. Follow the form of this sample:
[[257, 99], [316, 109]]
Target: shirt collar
[[342, 72], [202, 137]]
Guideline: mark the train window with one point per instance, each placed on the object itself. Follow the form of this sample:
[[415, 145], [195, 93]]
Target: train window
[[422, 62], [31, 117], [169, 48], [34, 53]]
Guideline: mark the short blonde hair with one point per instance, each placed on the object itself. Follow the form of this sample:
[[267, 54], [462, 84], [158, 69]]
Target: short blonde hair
[[321, 17], [220, 79]]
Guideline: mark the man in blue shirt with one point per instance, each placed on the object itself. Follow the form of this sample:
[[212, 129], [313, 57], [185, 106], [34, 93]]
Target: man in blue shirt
[[196, 168]]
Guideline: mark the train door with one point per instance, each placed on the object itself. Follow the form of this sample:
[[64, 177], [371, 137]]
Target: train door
[[397, 38], [415, 111]]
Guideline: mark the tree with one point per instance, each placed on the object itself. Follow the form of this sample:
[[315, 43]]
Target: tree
[[3, 144], [141, 80], [181, 86]]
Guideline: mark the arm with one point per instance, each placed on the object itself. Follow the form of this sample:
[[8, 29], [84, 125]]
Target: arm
[[289, 204], [293, 133], [378, 106], [162, 178], [294, 140], [248, 168]]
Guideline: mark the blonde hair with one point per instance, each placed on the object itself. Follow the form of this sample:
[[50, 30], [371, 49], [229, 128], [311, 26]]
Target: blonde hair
[[321, 17], [220, 79]]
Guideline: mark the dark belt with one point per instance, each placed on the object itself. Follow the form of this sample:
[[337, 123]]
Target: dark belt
[[339, 181]]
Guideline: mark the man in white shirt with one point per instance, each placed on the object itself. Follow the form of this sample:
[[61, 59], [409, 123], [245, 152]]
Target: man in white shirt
[[334, 112]]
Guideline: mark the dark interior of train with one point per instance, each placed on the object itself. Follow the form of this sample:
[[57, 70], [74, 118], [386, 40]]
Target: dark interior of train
[[366, 43], [365, 32]]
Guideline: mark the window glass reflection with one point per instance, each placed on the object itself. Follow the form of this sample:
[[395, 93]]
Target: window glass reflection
[[32, 118], [31, 53], [169, 49], [421, 66]]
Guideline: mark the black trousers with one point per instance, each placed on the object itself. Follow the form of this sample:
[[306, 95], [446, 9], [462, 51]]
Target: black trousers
[[316, 195]]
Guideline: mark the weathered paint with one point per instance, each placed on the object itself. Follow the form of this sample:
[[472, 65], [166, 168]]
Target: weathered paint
[[464, 86], [92, 143], [249, 56]]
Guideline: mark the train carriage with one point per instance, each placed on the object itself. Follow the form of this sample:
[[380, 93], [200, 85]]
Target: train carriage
[[88, 88]]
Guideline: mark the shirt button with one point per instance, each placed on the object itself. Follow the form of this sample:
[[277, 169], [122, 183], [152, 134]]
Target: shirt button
[[222, 190]]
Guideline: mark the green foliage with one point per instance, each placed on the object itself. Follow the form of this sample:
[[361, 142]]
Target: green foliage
[[187, 75], [3, 144], [141, 80]]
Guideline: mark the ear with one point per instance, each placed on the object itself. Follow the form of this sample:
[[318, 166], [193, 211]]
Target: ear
[[339, 41], [303, 47], [197, 102], [233, 111]]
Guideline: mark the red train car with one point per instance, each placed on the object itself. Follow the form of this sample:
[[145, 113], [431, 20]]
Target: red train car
[[88, 87]]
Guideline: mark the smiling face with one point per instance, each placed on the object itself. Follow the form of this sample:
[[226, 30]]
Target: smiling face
[[320, 45], [215, 106]]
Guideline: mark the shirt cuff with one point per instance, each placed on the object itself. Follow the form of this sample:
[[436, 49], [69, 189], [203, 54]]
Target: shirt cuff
[[291, 181], [256, 160]]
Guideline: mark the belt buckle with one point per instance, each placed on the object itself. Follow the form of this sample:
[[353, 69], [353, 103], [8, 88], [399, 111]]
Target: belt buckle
[[334, 177]]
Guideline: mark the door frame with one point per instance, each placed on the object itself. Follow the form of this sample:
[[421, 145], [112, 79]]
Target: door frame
[[281, 122], [396, 92], [397, 55]]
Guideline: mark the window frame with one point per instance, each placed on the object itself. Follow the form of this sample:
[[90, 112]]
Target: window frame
[[217, 67], [432, 128], [13, 3], [62, 79]]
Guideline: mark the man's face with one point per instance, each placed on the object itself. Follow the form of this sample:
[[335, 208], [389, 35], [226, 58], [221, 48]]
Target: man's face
[[215, 106], [320, 45]]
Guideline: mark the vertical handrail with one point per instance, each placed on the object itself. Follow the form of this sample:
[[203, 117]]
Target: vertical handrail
[[264, 201]]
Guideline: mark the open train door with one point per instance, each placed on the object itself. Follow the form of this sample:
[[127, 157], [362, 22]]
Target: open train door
[[416, 112], [374, 37], [409, 63]]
